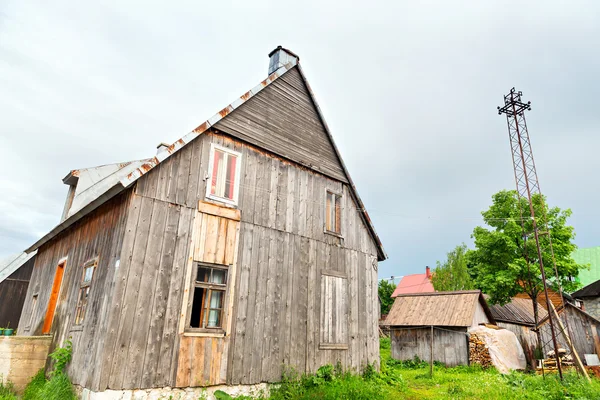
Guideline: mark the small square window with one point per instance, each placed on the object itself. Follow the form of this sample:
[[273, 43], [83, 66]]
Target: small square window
[[333, 213], [224, 165], [210, 287]]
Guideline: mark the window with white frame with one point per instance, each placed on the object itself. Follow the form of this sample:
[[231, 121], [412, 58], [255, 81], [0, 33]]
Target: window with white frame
[[208, 298], [84, 289], [224, 174], [333, 213]]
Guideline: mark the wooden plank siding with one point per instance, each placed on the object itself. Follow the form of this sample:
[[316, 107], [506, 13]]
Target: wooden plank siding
[[100, 235], [450, 346], [13, 291]]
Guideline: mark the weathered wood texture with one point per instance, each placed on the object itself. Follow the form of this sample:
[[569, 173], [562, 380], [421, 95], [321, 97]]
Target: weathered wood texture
[[13, 291], [283, 119], [203, 360], [450, 345], [583, 330], [100, 235]]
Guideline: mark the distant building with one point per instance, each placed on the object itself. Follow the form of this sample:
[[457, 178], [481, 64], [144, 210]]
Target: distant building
[[15, 272], [590, 297], [416, 283]]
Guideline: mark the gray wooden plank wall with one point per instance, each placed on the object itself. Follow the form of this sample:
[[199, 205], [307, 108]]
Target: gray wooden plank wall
[[450, 348], [98, 235], [283, 119]]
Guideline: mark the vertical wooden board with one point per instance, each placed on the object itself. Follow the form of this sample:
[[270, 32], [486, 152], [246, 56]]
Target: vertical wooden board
[[312, 316], [273, 193], [260, 188], [212, 235], [241, 296], [208, 358], [161, 294], [248, 345], [191, 198], [287, 294], [248, 185], [169, 344], [185, 362], [269, 309], [311, 204], [128, 307], [172, 179], [259, 323], [362, 317], [204, 159], [290, 198], [225, 361], [183, 175], [151, 185], [302, 298], [319, 302], [222, 240], [278, 306], [303, 207], [199, 235], [231, 241], [198, 361], [282, 181], [141, 318], [164, 175]]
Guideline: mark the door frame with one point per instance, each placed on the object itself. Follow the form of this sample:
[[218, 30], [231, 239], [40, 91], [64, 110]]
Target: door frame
[[54, 294]]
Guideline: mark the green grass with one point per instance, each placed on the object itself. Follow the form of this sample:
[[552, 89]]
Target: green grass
[[411, 380], [7, 392]]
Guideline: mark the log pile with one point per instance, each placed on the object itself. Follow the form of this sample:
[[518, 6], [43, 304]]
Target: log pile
[[566, 360], [478, 351]]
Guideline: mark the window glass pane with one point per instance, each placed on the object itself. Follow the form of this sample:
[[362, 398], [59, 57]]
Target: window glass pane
[[217, 185], [197, 307], [328, 212], [214, 319], [88, 274], [230, 177], [219, 276], [203, 274], [215, 305]]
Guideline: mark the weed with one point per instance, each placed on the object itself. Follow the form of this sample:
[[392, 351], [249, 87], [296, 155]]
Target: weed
[[58, 387], [7, 391]]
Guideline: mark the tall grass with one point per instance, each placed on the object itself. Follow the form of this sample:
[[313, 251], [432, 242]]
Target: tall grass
[[58, 387]]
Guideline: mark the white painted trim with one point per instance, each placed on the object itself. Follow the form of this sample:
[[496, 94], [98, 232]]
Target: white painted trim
[[236, 184]]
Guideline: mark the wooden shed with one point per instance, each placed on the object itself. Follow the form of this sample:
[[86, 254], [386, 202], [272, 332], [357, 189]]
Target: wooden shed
[[449, 315], [240, 249], [584, 331], [15, 272]]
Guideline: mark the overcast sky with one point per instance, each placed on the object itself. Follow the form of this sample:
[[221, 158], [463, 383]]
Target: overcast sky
[[409, 90]]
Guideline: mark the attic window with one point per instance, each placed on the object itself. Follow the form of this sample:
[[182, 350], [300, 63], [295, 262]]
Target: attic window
[[224, 173], [333, 213]]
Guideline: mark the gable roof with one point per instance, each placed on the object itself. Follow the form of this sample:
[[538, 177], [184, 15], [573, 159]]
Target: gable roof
[[437, 309], [591, 290], [518, 311], [12, 263], [590, 255], [572, 307], [134, 171], [416, 283]]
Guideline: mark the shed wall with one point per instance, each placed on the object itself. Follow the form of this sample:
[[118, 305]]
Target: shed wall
[[450, 345], [527, 338], [13, 291]]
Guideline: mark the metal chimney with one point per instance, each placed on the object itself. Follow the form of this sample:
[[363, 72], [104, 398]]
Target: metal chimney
[[281, 57]]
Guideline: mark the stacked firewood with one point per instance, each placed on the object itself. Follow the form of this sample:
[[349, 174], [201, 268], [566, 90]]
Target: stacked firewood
[[478, 351], [566, 360]]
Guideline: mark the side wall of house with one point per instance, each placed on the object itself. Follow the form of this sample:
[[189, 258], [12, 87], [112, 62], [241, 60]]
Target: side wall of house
[[100, 235], [527, 338], [282, 268], [592, 306], [479, 317], [13, 291], [450, 345]]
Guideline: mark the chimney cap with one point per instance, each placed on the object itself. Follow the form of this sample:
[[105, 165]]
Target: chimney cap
[[280, 57]]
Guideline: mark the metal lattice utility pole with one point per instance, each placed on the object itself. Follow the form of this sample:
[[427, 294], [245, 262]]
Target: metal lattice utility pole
[[528, 185]]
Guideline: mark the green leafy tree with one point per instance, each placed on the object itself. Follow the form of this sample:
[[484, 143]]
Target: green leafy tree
[[453, 274], [385, 294], [505, 260]]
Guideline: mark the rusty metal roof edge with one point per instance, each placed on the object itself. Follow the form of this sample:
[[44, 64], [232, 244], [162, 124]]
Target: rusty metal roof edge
[[382, 255], [103, 198], [179, 144]]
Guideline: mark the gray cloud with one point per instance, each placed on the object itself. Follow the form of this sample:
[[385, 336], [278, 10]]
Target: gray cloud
[[409, 91]]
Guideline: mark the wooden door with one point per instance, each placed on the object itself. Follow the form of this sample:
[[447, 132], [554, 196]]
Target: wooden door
[[60, 270]]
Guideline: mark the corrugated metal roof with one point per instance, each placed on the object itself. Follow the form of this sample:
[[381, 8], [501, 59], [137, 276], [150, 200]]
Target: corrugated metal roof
[[137, 170], [591, 290], [590, 255], [518, 311], [12, 263], [437, 309], [416, 283]]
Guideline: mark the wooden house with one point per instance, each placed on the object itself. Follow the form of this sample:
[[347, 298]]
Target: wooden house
[[241, 248], [15, 272], [449, 315], [589, 296]]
